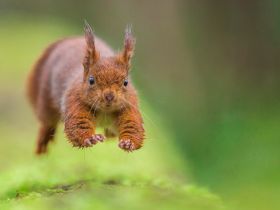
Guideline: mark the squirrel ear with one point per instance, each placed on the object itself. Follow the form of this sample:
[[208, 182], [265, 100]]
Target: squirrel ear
[[129, 43], [91, 54]]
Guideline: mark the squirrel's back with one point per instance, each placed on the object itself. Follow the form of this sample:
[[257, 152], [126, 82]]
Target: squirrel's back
[[59, 65]]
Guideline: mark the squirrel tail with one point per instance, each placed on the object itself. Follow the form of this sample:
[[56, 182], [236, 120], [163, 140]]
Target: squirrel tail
[[34, 78], [32, 86]]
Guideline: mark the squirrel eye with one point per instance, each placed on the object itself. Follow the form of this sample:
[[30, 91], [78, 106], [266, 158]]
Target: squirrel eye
[[91, 80], [125, 83]]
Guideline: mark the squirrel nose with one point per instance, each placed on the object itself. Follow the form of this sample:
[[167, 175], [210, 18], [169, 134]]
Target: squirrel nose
[[109, 97]]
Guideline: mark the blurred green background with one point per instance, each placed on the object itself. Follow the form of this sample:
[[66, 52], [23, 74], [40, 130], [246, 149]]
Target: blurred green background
[[208, 77]]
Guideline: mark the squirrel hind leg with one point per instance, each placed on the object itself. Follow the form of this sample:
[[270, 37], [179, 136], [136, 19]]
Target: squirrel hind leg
[[109, 133], [46, 134]]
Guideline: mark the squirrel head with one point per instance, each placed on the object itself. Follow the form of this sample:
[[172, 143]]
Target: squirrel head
[[106, 82]]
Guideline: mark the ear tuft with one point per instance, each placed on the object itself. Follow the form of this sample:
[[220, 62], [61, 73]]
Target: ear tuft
[[129, 43], [89, 36], [91, 55]]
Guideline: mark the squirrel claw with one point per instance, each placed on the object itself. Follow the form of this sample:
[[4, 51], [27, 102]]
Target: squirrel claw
[[94, 139], [87, 143], [98, 137], [127, 145]]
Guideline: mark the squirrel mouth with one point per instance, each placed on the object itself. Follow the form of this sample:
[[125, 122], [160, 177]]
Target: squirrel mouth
[[109, 105]]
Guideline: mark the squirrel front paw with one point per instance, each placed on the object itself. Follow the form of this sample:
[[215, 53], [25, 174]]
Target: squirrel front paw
[[128, 145], [94, 139]]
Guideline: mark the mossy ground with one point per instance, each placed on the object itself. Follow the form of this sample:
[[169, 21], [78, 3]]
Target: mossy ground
[[104, 177]]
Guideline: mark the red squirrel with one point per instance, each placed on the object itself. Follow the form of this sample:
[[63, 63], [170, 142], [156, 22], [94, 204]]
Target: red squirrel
[[84, 83]]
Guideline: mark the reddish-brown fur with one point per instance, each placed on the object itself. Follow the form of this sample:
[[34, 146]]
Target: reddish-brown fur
[[59, 89]]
